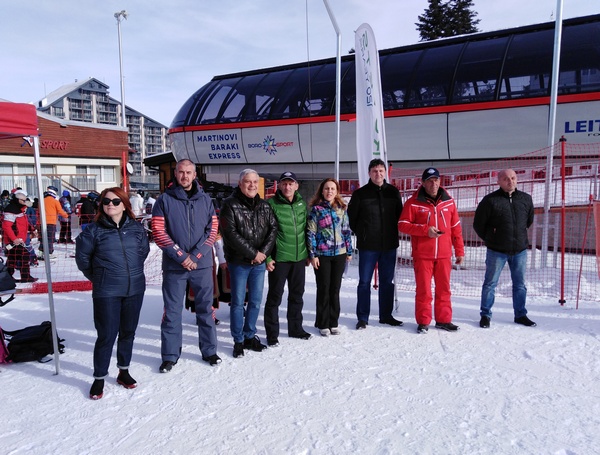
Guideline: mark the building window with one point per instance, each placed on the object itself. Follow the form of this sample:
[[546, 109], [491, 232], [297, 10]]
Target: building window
[[108, 174], [104, 174]]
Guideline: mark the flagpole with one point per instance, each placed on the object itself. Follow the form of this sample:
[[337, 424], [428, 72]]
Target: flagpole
[[551, 127]]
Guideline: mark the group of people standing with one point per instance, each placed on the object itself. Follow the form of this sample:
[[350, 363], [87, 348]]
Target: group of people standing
[[281, 236]]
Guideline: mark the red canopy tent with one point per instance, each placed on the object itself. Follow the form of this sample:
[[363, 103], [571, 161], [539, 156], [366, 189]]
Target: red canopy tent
[[17, 120], [20, 120]]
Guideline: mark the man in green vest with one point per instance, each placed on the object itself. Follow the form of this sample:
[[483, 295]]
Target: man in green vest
[[287, 261]]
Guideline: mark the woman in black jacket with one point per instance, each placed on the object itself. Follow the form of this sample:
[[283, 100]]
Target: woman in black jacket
[[111, 252]]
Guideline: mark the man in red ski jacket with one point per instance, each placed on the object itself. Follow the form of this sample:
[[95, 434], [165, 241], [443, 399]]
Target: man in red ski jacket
[[431, 218]]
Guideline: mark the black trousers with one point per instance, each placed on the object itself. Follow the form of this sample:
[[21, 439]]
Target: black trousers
[[329, 281], [294, 274], [65, 232]]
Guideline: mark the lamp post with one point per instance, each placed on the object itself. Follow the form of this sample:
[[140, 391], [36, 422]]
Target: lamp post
[[338, 87], [120, 16]]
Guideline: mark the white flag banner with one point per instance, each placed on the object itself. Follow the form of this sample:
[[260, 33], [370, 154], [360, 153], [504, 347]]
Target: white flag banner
[[370, 129]]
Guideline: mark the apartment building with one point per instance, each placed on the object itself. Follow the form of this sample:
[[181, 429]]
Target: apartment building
[[89, 101]]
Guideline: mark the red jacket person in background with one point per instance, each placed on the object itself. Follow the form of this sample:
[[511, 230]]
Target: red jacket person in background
[[431, 218], [15, 227]]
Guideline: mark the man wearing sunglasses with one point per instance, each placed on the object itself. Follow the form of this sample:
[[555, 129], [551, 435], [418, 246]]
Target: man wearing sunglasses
[[184, 226]]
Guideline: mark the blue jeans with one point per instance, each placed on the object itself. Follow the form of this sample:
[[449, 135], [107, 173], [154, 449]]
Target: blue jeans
[[115, 316], [252, 276], [494, 263], [367, 259]]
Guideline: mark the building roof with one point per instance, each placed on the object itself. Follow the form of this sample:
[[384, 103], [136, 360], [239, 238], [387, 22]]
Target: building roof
[[159, 158], [64, 90]]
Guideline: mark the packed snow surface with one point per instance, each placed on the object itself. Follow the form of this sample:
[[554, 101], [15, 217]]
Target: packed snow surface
[[508, 389]]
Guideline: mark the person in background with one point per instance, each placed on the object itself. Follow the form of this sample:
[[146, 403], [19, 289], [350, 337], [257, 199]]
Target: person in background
[[65, 235], [88, 209], [137, 203], [219, 274], [249, 229], [184, 227], [329, 242], [431, 219], [111, 254], [32, 218], [374, 210], [4, 199], [501, 220], [15, 228], [287, 262], [52, 208], [150, 203]]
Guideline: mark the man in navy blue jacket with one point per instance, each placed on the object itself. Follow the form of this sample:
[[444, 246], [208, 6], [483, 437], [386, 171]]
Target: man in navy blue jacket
[[184, 226]]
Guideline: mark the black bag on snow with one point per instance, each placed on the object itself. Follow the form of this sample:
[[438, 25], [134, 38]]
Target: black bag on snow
[[7, 283], [32, 343]]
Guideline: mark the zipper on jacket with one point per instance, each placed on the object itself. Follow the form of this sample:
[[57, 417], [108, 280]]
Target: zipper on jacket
[[125, 257]]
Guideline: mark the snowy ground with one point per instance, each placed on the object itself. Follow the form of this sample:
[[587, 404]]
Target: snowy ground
[[505, 390]]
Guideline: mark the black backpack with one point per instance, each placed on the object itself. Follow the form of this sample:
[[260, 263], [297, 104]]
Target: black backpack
[[32, 343], [7, 284]]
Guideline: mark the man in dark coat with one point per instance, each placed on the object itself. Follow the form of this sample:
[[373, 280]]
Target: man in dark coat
[[374, 210], [249, 230], [501, 220], [184, 227]]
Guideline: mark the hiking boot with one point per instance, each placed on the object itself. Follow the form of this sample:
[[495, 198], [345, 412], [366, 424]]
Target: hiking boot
[[304, 335], [166, 366], [325, 332], [273, 342], [484, 323], [334, 330], [28, 279], [391, 321], [422, 328], [97, 389], [213, 360], [524, 320], [361, 325], [254, 344], [447, 326], [238, 350], [125, 379]]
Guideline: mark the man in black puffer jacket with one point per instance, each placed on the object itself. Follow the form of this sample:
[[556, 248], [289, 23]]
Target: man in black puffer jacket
[[249, 231], [501, 220], [374, 211]]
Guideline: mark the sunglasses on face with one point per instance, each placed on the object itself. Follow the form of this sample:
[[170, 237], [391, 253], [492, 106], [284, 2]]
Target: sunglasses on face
[[116, 201]]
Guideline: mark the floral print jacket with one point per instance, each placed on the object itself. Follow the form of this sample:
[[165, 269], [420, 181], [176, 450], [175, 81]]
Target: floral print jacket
[[328, 231]]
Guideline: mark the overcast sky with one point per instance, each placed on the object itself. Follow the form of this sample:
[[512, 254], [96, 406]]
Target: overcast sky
[[172, 48]]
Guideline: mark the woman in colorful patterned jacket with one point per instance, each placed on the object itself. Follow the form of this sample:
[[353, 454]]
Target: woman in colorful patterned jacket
[[329, 242]]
